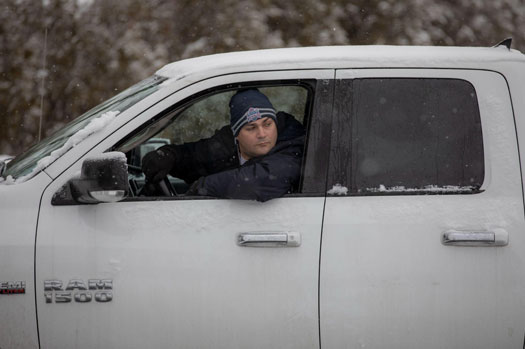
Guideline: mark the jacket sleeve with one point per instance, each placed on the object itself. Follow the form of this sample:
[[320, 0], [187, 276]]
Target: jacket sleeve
[[267, 178], [201, 158]]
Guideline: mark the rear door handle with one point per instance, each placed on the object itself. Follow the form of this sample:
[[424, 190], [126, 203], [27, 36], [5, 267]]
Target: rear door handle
[[269, 239], [498, 237]]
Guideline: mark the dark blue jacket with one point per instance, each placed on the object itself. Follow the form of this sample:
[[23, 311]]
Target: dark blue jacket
[[212, 164]]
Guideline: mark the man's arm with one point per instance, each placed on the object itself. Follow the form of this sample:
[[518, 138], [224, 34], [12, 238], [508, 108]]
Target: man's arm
[[192, 160], [260, 179]]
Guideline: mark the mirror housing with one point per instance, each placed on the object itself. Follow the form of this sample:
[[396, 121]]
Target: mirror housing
[[103, 178]]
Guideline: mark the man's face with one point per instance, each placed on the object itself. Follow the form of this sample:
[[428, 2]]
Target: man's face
[[257, 138]]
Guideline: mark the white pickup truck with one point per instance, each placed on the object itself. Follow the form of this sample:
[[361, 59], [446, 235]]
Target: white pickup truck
[[407, 229]]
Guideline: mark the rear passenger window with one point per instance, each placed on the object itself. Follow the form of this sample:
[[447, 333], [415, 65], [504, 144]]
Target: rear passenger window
[[415, 135]]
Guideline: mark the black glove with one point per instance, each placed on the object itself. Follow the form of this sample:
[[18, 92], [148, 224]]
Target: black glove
[[157, 164]]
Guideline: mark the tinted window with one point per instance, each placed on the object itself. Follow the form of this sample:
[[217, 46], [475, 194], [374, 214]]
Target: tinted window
[[415, 134]]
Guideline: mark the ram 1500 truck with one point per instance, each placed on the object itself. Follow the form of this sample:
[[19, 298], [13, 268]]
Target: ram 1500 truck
[[407, 229]]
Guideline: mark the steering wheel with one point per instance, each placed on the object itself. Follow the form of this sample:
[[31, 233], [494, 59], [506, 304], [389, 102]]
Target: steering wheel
[[161, 188], [165, 187]]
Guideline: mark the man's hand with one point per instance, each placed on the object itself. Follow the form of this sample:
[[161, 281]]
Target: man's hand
[[157, 164]]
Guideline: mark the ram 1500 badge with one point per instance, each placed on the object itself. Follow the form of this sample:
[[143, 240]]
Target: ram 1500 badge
[[99, 289]]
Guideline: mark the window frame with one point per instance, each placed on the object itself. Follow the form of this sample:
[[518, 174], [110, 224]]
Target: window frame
[[342, 164], [315, 103]]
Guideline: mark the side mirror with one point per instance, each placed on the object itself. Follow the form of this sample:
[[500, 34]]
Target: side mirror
[[103, 178]]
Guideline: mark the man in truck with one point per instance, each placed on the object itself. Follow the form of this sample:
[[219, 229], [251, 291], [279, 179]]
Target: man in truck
[[257, 157]]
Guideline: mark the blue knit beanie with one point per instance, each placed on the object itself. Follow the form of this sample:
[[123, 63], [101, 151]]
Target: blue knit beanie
[[248, 106]]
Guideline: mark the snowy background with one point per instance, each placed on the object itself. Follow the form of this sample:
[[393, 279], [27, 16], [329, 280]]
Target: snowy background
[[59, 58]]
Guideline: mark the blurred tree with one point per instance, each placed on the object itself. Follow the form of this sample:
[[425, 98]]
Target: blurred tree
[[59, 58], [21, 60]]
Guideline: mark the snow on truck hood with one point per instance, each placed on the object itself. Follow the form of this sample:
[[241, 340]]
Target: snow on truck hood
[[94, 126], [44, 153]]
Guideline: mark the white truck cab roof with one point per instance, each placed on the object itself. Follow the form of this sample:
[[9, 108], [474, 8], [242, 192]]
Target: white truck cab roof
[[339, 57]]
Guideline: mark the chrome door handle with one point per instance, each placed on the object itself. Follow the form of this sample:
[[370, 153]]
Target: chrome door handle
[[498, 237], [269, 239]]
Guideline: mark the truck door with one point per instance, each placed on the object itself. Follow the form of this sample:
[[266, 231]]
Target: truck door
[[423, 234], [171, 272]]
